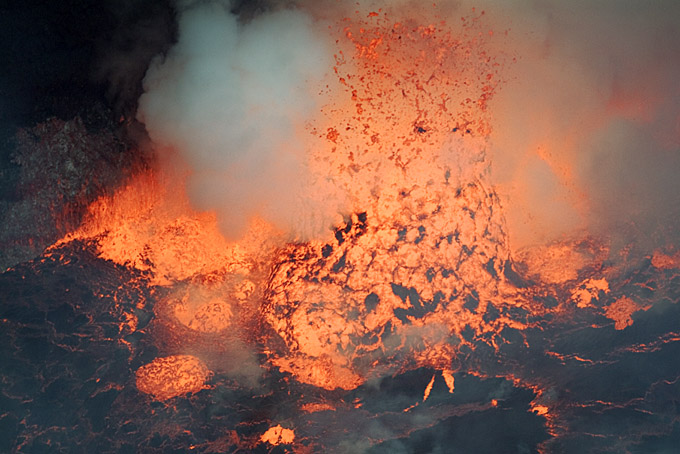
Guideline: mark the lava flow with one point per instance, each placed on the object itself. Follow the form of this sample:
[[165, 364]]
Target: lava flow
[[420, 275]]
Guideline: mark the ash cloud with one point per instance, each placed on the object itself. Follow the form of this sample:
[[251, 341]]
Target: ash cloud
[[231, 99]]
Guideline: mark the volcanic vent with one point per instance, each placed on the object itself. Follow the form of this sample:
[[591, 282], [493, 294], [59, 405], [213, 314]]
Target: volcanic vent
[[411, 275], [410, 314]]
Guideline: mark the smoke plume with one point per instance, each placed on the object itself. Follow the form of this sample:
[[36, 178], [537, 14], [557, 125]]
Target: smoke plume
[[586, 127], [231, 99]]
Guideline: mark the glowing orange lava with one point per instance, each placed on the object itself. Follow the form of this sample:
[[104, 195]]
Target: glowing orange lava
[[405, 136], [278, 435], [411, 278], [172, 376], [150, 225], [663, 260], [621, 311]]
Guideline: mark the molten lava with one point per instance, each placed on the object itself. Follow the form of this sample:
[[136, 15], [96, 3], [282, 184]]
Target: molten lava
[[621, 311], [172, 376], [149, 225], [425, 256], [278, 435], [419, 275]]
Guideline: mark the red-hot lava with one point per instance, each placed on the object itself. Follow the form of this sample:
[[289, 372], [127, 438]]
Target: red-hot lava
[[172, 376], [420, 271]]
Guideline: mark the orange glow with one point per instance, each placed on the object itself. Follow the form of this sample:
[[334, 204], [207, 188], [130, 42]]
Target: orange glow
[[278, 435], [150, 225], [540, 410], [172, 376], [404, 135], [449, 379], [428, 389], [209, 317], [408, 280], [663, 261], [589, 290], [561, 262], [316, 407], [621, 310]]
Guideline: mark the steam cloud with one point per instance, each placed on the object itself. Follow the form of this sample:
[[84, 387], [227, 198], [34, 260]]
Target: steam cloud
[[232, 99], [586, 127], [587, 130]]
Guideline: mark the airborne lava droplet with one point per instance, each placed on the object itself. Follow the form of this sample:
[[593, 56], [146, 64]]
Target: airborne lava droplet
[[278, 435]]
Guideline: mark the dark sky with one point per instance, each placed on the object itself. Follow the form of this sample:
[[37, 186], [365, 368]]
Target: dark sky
[[53, 55]]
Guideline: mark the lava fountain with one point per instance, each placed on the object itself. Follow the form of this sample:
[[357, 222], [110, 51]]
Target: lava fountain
[[407, 266]]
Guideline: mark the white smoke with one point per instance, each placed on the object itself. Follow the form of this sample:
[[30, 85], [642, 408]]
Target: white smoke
[[586, 126], [587, 129], [232, 100]]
